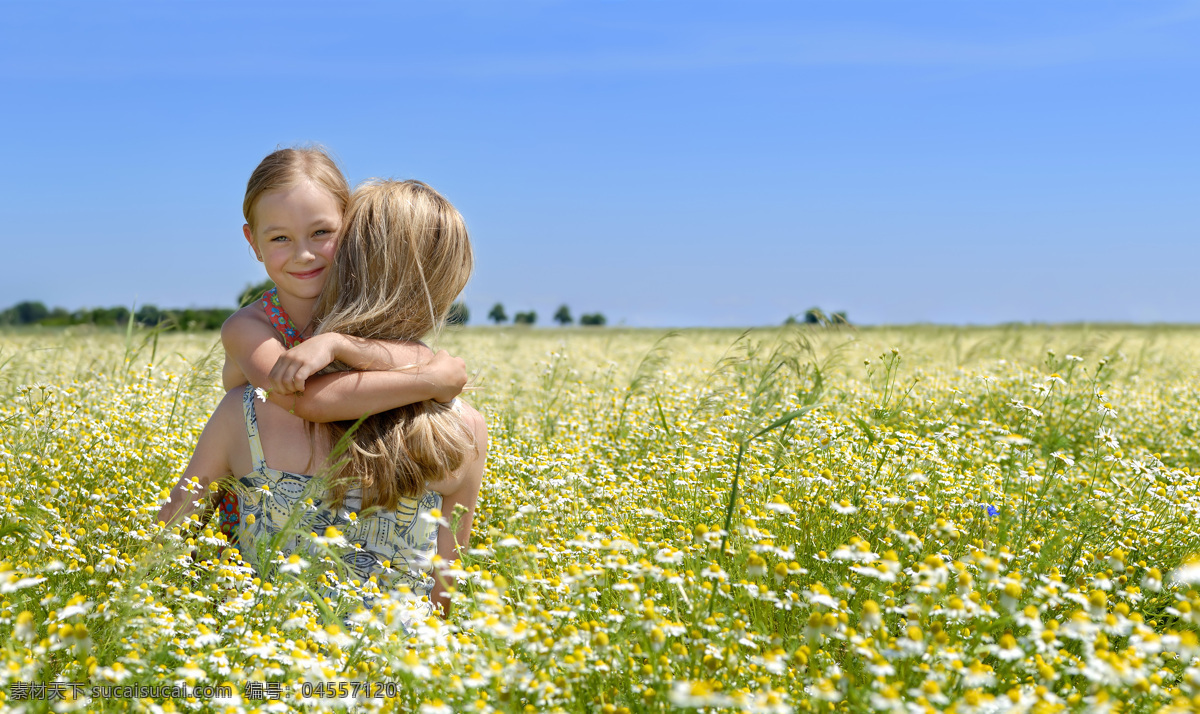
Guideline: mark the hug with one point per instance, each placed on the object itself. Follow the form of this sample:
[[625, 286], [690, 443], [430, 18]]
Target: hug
[[337, 418]]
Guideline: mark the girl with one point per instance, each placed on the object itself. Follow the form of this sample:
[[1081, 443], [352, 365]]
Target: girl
[[293, 208], [404, 259]]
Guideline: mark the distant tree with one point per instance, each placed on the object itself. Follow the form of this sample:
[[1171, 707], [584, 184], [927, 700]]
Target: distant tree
[[28, 312], [592, 319], [525, 318], [57, 317], [190, 319], [149, 316], [497, 314], [791, 320], [563, 315], [109, 316], [211, 319], [99, 316], [814, 316], [839, 318], [254, 292], [459, 314]]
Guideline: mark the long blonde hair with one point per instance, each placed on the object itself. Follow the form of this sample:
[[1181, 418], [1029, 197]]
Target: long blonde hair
[[285, 168], [404, 257]]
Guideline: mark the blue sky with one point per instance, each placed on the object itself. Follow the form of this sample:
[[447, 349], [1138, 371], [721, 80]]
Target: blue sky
[[665, 163]]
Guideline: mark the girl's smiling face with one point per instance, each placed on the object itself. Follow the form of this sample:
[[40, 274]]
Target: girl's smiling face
[[295, 235]]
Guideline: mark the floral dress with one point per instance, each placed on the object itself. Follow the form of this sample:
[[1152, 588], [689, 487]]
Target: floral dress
[[404, 537]]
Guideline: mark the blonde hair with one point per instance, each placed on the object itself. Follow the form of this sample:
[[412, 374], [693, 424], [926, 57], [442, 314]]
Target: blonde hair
[[404, 257], [285, 168]]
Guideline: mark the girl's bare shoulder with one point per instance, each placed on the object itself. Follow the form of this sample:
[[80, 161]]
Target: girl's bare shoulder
[[249, 322], [250, 315]]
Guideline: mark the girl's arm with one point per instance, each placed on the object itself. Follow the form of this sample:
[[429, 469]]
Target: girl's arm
[[253, 345], [231, 375], [297, 364], [209, 463], [462, 488]]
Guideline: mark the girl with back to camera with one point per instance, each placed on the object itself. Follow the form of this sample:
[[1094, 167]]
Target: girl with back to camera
[[294, 205], [404, 258]]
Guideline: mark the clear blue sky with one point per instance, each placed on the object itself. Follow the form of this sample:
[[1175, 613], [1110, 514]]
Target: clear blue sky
[[666, 163]]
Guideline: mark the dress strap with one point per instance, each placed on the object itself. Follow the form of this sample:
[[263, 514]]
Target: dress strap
[[256, 449], [280, 319]]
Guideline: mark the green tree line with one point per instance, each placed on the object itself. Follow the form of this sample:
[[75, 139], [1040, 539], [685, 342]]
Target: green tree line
[[32, 312], [562, 316], [36, 313]]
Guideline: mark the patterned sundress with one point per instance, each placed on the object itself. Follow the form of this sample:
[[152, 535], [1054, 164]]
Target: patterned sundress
[[228, 510], [406, 536]]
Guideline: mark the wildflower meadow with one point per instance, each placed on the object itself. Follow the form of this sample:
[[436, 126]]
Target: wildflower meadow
[[792, 520]]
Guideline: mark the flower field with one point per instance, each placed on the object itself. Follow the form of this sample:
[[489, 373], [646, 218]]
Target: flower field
[[890, 520]]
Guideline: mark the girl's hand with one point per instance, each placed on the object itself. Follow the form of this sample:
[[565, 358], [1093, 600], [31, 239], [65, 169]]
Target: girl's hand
[[448, 375], [303, 361]]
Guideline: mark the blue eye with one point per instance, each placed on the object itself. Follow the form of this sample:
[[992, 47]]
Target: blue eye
[[277, 238]]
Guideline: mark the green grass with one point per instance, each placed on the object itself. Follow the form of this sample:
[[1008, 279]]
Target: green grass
[[782, 520]]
